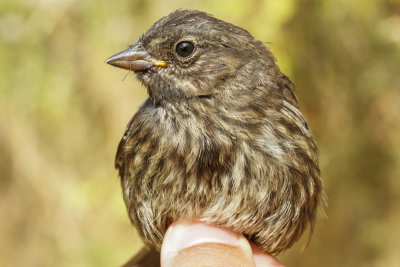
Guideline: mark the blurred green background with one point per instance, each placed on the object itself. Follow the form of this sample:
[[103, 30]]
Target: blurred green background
[[63, 112]]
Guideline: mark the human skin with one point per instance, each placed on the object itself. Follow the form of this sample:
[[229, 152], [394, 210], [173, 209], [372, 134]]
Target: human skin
[[197, 244]]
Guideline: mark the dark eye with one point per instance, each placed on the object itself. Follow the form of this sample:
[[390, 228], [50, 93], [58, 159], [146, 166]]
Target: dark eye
[[184, 49]]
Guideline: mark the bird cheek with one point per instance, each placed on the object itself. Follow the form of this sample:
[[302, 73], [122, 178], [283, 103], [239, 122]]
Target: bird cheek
[[215, 75]]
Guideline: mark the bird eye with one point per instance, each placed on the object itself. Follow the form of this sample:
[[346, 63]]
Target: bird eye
[[184, 49]]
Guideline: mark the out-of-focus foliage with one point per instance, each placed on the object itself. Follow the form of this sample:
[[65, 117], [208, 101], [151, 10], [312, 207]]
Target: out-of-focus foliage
[[63, 111]]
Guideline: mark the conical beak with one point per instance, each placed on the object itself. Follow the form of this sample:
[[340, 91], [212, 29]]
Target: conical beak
[[135, 58]]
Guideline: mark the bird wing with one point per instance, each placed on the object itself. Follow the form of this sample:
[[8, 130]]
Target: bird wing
[[288, 87]]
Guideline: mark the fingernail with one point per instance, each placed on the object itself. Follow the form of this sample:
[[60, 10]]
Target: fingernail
[[262, 259], [184, 235]]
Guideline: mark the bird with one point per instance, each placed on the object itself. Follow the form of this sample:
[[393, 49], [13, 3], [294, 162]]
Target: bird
[[220, 138]]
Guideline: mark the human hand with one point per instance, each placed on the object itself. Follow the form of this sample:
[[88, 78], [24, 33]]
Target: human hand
[[198, 244]]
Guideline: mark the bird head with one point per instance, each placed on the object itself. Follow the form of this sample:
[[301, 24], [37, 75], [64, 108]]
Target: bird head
[[189, 55]]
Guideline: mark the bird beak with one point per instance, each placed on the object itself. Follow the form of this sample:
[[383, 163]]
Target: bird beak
[[135, 58]]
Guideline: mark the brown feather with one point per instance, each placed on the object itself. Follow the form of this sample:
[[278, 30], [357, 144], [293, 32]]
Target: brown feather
[[219, 140]]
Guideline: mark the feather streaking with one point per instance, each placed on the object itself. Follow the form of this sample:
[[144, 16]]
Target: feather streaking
[[219, 140]]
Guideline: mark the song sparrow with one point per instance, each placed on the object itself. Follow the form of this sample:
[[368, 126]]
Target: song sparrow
[[220, 139]]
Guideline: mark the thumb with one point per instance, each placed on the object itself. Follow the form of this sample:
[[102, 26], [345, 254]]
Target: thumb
[[198, 244]]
